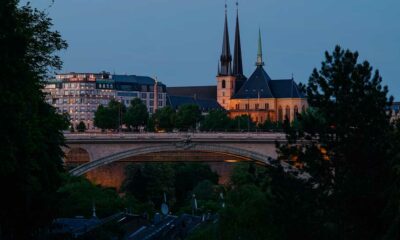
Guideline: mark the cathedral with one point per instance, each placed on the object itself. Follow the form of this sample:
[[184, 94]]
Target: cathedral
[[258, 96]]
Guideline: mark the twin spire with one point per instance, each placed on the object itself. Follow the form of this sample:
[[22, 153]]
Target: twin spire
[[226, 58], [225, 65], [237, 55]]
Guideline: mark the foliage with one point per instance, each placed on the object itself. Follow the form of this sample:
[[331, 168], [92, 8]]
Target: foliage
[[242, 123], [348, 133], [31, 129], [109, 117], [209, 231], [81, 127], [164, 119], [67, 120], [188, 176], [136, 114], [216, 120], [78, 195], [269, 125], [187, 117], [148, 182]]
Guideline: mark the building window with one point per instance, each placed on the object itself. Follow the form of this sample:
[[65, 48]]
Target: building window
[[223, 84], [257, 106], [144, 95], [223, 101], [223, 94], [267, 106], [237, 106], [280, 114], [287, 113], [246, 106]]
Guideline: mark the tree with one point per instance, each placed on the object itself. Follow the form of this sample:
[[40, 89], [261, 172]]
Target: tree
[[117, 110], [164, 119], [347, 135], [148, 182], [31, 156], [242, 123], [136, 115], [187, 117], [78, 195], [81, 127], [216, 120], [188, 176], [109, 117]]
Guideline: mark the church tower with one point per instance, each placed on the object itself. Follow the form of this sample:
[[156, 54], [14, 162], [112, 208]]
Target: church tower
[[237, 55], [225, 78]]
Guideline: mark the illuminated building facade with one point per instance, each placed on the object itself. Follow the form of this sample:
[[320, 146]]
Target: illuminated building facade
[[79, 94]]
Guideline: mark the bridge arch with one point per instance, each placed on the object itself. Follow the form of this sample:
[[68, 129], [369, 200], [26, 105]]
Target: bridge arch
[[77, 155], [233, 151]]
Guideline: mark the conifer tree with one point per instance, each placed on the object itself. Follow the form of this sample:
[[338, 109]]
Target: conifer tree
[[345, 141]]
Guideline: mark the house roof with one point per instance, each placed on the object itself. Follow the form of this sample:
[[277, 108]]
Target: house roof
[[200, 92], [133, 79], [204, 104]]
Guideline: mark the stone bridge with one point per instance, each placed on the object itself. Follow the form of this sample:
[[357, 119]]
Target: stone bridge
[[86, 152]]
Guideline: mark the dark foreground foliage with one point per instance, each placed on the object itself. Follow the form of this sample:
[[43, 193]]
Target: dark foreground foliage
[[30, 129]]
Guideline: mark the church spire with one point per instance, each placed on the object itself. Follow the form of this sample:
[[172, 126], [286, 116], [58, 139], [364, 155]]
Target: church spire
[[237, 55], [259, 52], [226, 57]]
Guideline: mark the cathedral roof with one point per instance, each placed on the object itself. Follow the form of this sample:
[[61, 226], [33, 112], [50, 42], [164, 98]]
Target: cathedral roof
[[285, 88], [257, 86], [260, 85]]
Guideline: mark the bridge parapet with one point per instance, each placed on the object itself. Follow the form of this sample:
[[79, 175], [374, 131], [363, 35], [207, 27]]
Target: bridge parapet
[[173, 137]]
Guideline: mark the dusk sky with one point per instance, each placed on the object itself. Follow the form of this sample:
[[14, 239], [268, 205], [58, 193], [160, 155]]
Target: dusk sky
[[179, 41]]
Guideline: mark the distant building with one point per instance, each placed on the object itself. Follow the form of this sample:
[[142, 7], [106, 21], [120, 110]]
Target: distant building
[[205, 97], [259, 96], [79, 94]]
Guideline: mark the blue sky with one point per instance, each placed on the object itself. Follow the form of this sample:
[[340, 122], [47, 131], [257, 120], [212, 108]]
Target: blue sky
[[179, 41]]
